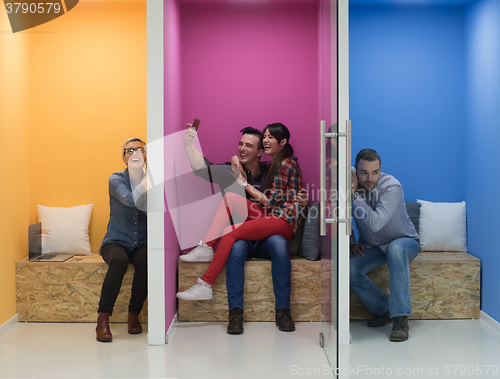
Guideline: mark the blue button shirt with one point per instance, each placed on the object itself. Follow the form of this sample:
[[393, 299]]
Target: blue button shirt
[[381, 215], [127, 224]]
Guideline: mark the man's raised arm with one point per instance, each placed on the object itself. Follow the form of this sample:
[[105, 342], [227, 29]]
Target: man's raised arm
[[194, 156]]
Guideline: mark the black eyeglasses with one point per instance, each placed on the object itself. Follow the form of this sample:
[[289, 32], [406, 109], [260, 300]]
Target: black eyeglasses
[[131, 151]]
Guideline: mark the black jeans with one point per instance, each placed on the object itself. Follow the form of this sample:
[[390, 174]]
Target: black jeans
[[117, 258]]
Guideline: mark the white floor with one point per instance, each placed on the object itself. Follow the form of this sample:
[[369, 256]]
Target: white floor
[[205, 350]]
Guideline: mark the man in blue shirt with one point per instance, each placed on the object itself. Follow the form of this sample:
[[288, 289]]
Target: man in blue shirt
[[275, 247], [386, 235]]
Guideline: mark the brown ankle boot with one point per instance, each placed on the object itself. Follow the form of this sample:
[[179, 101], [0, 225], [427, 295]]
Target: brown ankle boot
[[102, 330], [134, 326]]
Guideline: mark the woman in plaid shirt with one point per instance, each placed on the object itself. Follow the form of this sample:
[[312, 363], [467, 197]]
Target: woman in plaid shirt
[[276, 213]]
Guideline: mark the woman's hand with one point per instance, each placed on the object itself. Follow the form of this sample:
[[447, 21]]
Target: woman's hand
[[302, 198], [235, 162], [144, 182], [239, 174]]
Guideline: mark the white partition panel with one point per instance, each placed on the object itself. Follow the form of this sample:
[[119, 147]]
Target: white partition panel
[[156, 255]]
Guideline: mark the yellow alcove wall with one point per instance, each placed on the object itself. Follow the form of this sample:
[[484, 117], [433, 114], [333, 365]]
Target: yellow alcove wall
[[15, 189], [72, 91]]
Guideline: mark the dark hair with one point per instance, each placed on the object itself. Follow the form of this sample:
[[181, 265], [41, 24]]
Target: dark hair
[[367, 155], [280, 132], [255, 132]]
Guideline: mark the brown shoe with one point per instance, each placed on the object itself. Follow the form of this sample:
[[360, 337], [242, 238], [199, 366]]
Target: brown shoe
[[103, 333], [235, 325], [134, 325], [284, 320]]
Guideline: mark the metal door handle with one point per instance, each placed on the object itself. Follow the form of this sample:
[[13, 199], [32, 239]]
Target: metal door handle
[[348, 218]]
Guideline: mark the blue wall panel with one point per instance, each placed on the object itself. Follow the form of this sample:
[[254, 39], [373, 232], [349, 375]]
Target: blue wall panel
[[407, 83], [425, 93], [483, 139]]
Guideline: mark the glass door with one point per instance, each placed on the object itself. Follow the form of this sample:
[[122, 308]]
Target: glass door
[[329, 251], [335, 180]]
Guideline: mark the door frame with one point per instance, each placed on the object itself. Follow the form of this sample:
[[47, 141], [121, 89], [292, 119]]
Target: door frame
[[344, 334]]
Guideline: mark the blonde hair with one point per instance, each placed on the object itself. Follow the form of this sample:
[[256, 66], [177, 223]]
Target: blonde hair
[[132, 139]]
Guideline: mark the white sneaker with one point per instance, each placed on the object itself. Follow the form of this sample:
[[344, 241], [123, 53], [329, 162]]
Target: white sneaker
[[201, 253], [200, 291]]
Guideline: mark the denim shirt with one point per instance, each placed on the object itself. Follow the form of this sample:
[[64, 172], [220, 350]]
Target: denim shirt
[[127, 225]]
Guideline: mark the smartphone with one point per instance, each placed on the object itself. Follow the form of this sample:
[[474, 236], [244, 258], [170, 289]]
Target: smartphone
[[196, 124]]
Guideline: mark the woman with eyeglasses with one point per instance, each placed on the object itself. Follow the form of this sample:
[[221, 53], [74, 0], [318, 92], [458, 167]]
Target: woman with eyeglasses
[[126, 239]]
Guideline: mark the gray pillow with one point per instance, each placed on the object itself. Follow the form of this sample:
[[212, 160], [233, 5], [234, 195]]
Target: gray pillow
[[413, 210], [311, 241]]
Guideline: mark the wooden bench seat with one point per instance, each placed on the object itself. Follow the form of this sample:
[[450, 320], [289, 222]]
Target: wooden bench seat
[[444, 285], [67, 291], [259, 296]]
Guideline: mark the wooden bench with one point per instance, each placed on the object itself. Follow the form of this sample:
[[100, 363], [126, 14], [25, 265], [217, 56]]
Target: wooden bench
[[67, 291], [444, 285], [258, 292]]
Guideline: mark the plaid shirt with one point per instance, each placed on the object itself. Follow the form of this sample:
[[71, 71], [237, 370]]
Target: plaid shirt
[[287, 183]]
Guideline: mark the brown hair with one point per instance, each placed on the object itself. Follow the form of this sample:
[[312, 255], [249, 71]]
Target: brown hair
[[367, 155], [132, 139]]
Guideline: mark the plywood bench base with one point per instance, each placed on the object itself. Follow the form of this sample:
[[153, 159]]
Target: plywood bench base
[[67, 291], [259, 298], [444, 285]]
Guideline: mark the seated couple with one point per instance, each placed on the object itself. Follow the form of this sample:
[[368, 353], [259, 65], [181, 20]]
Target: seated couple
[[272, 212]]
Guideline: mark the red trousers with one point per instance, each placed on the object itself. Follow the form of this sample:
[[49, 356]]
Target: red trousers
[[256, 227]]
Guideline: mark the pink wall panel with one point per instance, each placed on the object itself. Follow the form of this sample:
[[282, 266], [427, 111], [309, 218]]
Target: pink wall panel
[[172, 105], [240, 64], [250, 65]]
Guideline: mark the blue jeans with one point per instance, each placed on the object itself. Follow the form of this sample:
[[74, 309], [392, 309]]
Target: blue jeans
[[274, 248], [398, 256]]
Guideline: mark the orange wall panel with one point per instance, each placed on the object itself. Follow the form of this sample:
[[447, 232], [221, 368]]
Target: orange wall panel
[[15, 192], [71, 92], [88, 77]]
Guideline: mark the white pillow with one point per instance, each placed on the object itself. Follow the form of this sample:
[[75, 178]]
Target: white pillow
[[65, 230], [443, 226]]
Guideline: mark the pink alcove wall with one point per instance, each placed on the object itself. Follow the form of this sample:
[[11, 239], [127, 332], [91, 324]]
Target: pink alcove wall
[[236, 64], [251, 65], [172, 119]]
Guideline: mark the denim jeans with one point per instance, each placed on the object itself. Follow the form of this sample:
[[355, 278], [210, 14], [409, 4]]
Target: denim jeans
[[398, 256], [274, 248]]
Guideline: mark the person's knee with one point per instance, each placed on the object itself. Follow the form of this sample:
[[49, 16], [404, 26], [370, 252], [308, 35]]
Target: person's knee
[[119, 262], [397, 252], [230, 196], [354, 271], [239, 252], [278, 247]]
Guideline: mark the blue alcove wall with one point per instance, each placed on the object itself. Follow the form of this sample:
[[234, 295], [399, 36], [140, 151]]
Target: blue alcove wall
[[424, 93]]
